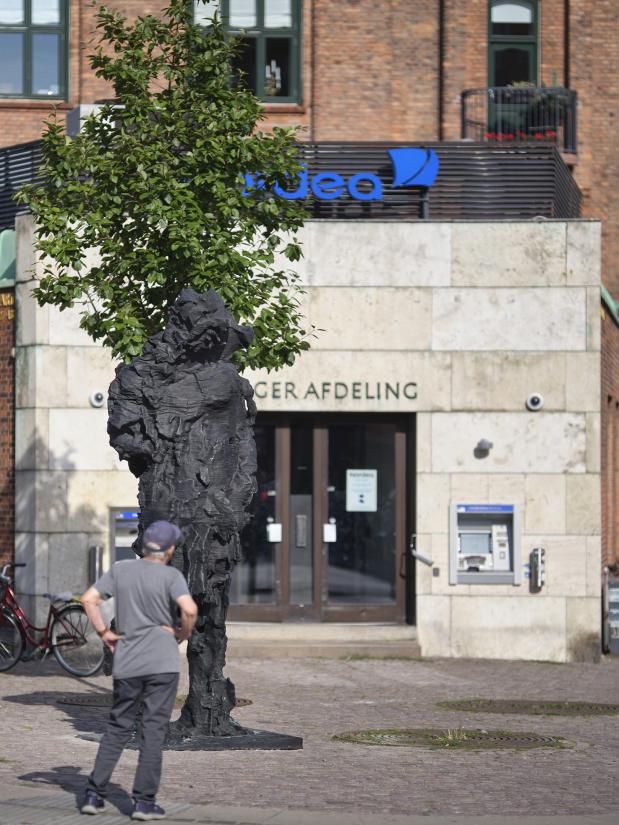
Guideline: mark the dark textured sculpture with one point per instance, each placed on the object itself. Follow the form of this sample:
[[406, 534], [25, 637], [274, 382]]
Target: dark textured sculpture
[[182, 417]]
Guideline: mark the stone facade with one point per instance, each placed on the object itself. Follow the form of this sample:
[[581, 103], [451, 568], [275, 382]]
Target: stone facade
[[491, 313], [7, 400], [467, 337], [66, 474]]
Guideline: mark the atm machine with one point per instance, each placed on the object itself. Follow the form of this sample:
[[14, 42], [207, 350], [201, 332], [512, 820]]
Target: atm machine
[[484, 544], [124, 531]]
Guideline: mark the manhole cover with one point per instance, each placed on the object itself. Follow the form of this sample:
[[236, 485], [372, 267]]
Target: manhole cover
[[104, 700], [531, 707], [451, 739]]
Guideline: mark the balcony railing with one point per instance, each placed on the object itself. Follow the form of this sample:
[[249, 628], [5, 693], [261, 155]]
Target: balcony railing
[[520, 113], [483, 181]]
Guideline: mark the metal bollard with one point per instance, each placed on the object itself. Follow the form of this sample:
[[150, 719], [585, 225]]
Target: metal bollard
[[95, 562]]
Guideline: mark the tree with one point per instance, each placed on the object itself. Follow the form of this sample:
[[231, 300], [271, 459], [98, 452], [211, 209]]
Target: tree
[[154, 182]]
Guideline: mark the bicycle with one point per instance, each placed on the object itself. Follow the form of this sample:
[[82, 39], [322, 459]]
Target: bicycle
[[68, 633]]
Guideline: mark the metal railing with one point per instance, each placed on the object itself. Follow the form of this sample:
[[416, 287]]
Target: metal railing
[[489, 181], [18, 165], [520, 113]]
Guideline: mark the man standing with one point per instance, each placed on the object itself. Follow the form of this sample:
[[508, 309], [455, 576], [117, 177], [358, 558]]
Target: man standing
[[146, 662]]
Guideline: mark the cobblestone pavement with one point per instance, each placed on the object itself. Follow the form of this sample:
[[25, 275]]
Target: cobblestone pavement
[[40, 748]]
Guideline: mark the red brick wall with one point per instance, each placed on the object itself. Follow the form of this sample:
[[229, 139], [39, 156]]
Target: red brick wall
[[594, 74], [465, 57], [376, 70], [7, 453]]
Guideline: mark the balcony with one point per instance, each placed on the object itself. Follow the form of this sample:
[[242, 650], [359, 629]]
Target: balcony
[[512, 180], [508, 114]]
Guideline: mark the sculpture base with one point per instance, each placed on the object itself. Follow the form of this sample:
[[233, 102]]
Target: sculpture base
[[256, 740], [262, 740]]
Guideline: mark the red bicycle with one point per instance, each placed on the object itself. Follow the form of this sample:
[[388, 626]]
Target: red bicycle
[[68, 633]]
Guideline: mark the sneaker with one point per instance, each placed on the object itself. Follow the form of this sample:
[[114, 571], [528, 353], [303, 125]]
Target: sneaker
[[93, 803], [146, 811]]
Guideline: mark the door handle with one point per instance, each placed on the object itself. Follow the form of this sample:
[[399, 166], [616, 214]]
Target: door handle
[[301, 530]]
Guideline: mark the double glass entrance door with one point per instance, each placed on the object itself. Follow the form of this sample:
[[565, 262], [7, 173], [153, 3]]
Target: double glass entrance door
[[327, 532]]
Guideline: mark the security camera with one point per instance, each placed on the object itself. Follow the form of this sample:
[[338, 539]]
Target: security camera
[[97, 398], [535, 401]]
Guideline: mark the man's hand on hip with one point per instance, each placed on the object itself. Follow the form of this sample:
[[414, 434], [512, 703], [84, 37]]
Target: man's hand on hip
[[109, 638]]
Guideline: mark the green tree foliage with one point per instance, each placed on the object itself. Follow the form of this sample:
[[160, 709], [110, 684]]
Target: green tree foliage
[[154, 181]]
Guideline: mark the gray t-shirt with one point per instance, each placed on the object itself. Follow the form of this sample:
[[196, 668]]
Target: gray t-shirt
[[145, 594]]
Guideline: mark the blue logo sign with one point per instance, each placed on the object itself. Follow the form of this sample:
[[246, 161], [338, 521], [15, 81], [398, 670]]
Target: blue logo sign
[[411, 167]]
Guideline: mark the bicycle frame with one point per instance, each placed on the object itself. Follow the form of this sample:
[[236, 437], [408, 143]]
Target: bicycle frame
[[9, 600]]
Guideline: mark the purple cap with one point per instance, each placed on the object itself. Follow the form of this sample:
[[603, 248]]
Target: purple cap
[[160, 536]]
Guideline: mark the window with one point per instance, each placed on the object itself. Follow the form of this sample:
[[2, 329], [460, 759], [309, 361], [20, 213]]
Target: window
[[268, 31], [33, 61], [513, 43]]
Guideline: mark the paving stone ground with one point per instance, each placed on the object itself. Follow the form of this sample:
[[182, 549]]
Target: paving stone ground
[[41, 752]]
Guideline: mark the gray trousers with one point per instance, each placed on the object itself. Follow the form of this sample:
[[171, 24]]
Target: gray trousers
[[157, 694]]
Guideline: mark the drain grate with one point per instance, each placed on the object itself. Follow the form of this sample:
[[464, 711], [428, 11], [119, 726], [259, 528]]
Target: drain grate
[[459, 738], [104, 700], [530, 707]]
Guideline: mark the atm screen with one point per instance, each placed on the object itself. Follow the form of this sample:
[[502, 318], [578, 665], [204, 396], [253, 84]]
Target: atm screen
[[475, 544]]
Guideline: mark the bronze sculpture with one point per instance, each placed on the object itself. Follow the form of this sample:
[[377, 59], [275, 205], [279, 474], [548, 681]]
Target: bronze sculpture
[[182, 417]]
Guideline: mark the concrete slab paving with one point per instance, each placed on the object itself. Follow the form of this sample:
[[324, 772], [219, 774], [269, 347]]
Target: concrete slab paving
[[43, 763], [52, 808]]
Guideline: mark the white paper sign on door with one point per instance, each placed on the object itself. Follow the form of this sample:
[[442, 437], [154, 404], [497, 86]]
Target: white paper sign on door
[[361, 491]]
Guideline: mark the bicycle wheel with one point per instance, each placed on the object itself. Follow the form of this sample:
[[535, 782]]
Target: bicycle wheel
[[75, 643], [11, 640]]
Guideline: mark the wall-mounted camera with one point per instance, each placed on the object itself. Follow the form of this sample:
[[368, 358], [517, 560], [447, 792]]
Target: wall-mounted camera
[[97, 398], [535, 401]]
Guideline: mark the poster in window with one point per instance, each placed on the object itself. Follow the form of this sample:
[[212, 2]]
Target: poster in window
[[361, 491]]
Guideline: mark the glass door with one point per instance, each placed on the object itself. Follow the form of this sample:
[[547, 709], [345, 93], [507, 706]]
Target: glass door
[[361, 534], [327, 536], [364, 519], [255, 579]]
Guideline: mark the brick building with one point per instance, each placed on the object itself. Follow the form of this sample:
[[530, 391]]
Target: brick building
[[396, 72]]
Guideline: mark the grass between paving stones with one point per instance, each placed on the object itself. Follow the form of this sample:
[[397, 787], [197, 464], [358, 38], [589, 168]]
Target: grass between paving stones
[[452, 739], [530, 707]]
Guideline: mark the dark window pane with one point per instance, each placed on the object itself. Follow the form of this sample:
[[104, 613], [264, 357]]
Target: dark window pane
[[362, 509], [301, 515], [253, 581], [45, 12], [512, 19], [11, 12], [245, 62], [513, 29], [45, 64], [11, 63], [277, 69], [512, 65], [278, 14]]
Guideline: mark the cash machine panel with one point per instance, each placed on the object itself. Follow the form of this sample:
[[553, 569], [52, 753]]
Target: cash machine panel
[[484, 544], [124, 531]]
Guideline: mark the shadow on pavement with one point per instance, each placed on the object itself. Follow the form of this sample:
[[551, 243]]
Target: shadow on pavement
[[84, 719], [38, 668], [71, 780]]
